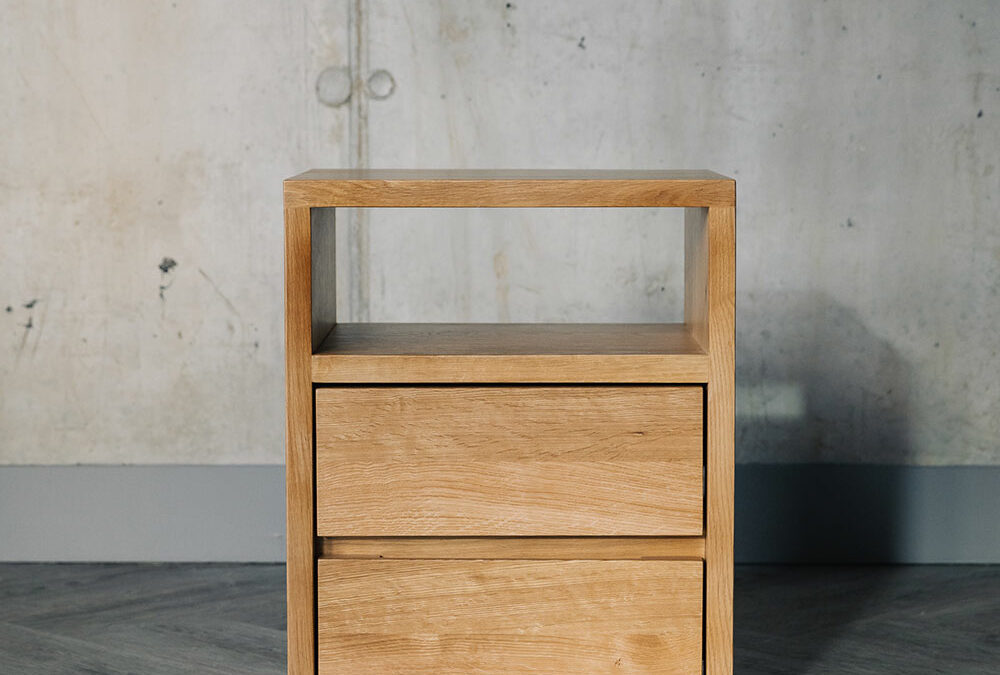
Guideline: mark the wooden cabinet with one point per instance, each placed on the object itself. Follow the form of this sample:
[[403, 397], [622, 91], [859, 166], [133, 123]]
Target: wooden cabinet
[[510, 497]]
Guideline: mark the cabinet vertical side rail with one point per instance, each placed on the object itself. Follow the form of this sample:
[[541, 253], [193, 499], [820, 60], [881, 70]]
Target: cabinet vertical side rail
[[720, 428], [300, 558]]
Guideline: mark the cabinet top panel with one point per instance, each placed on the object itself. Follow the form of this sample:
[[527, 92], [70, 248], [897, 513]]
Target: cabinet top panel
[[410, 188]]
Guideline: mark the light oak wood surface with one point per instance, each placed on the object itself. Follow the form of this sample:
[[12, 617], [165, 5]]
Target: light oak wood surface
[[513, 548], [581, 616], [299, 443], [720, 224], [696, 276], [516, 353], [504, 461], [471, 188]]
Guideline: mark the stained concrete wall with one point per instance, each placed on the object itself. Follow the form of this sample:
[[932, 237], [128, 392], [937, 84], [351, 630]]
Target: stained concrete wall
[[863, 137], [143, 150]]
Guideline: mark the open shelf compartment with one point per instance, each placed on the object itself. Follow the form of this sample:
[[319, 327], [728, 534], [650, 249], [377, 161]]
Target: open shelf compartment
[[510, 352]]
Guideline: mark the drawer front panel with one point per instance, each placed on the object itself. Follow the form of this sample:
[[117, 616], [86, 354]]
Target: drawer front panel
[[502, 616], [509, 461]]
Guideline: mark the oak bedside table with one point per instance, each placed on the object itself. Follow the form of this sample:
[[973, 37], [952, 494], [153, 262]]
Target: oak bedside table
[[545, 498]]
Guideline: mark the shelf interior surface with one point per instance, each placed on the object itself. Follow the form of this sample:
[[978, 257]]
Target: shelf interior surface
[[508, 339], [509, 352]]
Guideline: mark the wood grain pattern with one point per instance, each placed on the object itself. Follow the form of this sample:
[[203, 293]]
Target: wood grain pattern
[[696, 275], [520, 353], [505, 461], [720, 439], [299, 443], [476, 189], [514, 548], [394, 616]]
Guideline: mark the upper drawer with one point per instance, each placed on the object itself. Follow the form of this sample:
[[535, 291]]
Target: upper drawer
[[509, 461]]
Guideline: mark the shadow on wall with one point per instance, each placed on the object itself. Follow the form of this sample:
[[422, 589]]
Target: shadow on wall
[[821, 411]]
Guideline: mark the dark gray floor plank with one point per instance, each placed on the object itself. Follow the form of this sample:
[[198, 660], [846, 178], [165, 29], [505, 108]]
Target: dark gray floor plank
[[30, 652], [142, 618], [924, 619], [207, 644]]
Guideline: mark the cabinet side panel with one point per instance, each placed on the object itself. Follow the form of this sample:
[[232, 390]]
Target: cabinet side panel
[[324, 273], [696, 274], [720, 428], [298, 443]]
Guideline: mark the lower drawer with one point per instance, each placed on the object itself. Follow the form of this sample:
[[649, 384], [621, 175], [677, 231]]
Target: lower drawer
[[503, 616]]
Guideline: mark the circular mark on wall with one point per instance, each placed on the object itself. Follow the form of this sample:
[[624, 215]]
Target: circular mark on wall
[[333, 87], [381, 85]]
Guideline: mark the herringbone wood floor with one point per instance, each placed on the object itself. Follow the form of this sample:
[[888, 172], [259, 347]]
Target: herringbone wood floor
[[150, 619]]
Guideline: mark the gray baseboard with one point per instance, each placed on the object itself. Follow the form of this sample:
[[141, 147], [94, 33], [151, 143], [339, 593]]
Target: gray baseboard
[[784, 513], [857, 513], [142, 513]]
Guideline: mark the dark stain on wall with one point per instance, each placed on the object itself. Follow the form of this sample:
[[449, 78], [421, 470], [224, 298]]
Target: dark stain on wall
[[166, 267]]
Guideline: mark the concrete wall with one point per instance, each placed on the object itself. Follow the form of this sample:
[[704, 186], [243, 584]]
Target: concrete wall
[[143, 150], [140, 212]]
